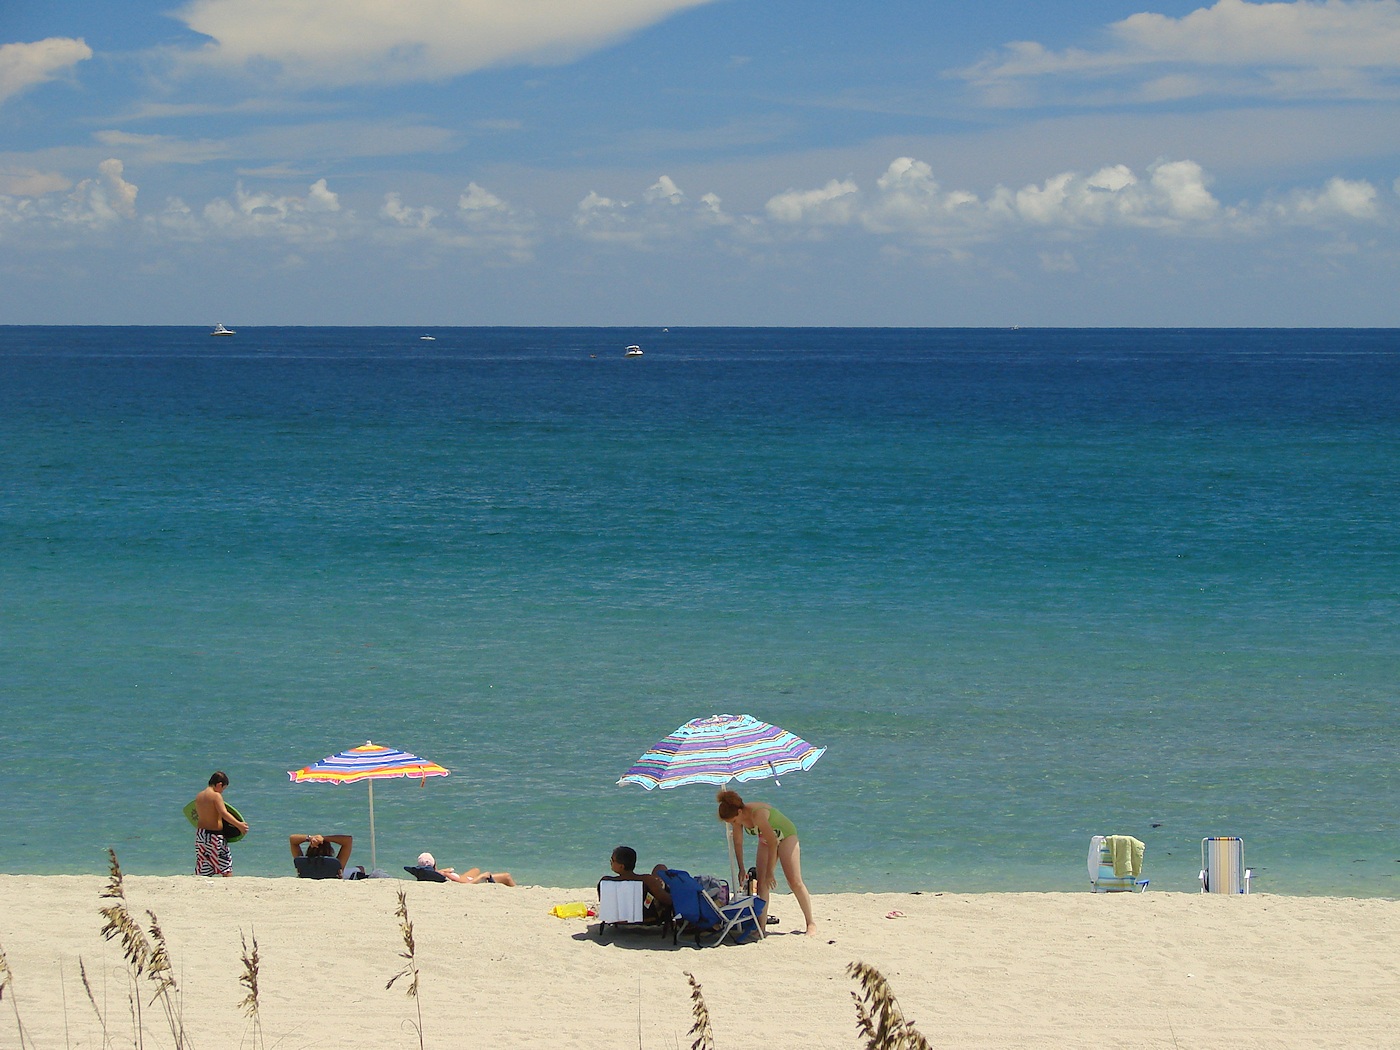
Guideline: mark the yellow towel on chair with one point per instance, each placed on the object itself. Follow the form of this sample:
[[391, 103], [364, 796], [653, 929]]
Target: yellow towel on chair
[[1126, 852]]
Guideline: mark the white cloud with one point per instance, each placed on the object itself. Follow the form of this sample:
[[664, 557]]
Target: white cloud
[[1300, 49], [94, 204], [29, 182], [1170, 197], [903, 212], [103, 200], [483, 224], [664, 214], [402, 215], [835, 204], [1340, 199], [338, 42], [25, 65], [301, 220]]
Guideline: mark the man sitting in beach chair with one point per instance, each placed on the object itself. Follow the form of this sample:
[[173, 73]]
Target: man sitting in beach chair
[[627, 898]]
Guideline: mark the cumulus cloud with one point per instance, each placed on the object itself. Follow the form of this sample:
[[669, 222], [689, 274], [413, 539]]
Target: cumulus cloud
[[339, 42], [103, 200], [664, 214], [1300, 49], [296, 219], [1170, 197], [905, 210], [25, 65], [482, 223], [834, 204], [1339, 199], [93, 204]]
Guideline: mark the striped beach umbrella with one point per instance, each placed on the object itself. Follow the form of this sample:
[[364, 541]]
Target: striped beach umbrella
[[721, 748], [368, 762]]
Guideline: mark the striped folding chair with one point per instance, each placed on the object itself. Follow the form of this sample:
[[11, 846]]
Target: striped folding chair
[[1222, 865], [1103, 875]]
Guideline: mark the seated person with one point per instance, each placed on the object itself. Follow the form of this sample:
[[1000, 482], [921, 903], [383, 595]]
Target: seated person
[[470, 877], [656, 899], [322, 859]]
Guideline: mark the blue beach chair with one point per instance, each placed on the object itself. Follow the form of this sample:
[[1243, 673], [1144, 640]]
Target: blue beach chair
[[709, 923]]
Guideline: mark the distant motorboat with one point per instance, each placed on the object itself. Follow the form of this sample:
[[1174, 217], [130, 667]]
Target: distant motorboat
[[429, 338], [633, 351], [221, 330]]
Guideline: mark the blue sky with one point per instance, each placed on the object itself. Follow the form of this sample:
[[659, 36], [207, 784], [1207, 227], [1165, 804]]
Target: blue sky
[[675, 162]]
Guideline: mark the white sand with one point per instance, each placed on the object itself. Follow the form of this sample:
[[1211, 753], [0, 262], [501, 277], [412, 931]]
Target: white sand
[[1169, 970]]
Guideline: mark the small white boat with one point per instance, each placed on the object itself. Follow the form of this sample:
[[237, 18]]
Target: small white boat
[[429, 338], [221, 330], [633, 351]]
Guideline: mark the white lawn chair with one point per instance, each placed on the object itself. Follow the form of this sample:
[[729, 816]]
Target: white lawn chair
[[1222, 865], [1103, 877]]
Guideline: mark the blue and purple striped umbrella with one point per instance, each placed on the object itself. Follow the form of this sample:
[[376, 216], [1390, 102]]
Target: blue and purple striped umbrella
[[721, 748]]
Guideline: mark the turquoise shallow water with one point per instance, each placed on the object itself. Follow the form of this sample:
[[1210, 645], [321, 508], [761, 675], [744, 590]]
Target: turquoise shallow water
[[1025, 586]]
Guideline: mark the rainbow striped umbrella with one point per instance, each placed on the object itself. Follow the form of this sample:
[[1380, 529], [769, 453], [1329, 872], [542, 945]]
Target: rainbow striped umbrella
[[721, 748], [368, 762]]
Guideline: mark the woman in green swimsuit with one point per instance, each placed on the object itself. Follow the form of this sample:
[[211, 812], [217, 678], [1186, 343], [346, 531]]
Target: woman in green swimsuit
[[777, 840]]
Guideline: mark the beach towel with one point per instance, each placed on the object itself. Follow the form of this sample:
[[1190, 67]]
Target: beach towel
[[573, 910], [1127, 853]]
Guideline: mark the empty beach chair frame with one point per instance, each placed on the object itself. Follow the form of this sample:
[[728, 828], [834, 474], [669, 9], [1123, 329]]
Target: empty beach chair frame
[[1222, 865], [1102, 876]]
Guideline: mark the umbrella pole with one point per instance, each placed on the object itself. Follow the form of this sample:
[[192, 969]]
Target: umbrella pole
[[373, 857]]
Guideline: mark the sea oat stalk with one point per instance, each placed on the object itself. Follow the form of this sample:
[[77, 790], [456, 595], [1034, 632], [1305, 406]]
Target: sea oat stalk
[[879, 1019], [703, 1036], [410, 969]]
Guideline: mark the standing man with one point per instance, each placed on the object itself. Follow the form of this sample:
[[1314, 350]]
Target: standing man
[[211, 853]]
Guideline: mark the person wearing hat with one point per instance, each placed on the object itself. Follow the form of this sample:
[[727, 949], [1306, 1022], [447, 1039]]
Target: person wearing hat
[[474, 875]]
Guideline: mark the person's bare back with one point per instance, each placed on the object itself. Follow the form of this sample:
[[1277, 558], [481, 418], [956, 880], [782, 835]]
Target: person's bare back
[[211, 811]]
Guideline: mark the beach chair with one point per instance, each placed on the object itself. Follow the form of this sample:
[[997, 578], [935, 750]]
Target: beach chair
[[709, 923], [317, 867], [1115, 864], [1222, 865], [425, 874], [622, 905]]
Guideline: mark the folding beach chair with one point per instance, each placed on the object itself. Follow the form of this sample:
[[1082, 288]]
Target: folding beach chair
[[1115, 864], [622, 905], [697, 914], [1222, 865]]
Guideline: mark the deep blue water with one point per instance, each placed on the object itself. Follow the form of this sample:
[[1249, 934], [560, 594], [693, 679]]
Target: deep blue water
[[1026, 586]]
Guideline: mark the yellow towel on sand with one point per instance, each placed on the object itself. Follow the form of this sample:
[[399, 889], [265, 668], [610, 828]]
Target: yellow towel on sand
[[1126, 852]]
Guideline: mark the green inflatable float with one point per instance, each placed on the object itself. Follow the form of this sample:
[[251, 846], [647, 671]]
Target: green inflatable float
[[231, 836]]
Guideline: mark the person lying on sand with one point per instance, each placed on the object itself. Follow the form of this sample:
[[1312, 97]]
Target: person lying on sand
[[471, 876]]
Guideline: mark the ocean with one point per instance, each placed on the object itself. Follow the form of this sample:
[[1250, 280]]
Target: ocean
[[1025, 586]]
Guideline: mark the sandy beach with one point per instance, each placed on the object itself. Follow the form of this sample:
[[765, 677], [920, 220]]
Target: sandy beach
[[988, 970]]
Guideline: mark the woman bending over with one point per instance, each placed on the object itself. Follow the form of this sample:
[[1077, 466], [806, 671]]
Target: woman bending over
[[777, 841]]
